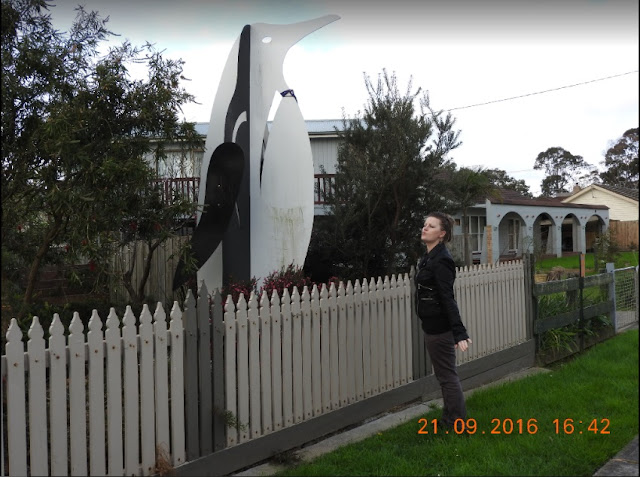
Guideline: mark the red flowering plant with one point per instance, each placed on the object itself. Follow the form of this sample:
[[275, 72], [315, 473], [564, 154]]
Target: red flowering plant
[[287, 278], [279, 280], [235, 288]]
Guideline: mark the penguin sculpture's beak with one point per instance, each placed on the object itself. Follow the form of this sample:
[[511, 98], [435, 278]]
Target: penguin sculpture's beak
[[275, 41]]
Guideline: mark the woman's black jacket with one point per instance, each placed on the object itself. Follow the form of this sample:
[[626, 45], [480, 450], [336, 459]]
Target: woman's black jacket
[[435, 303]]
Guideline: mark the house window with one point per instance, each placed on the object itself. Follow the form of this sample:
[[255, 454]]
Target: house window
[[514, 233], [476, 232]]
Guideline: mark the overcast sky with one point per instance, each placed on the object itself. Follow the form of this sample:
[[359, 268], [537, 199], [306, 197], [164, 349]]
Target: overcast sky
[[464, 53]]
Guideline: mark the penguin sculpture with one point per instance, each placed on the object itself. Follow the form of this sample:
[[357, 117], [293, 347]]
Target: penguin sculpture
[[256, 185]]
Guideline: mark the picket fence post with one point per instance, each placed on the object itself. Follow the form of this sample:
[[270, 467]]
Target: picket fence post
[[58, 403], [97, 451], [278, 362]]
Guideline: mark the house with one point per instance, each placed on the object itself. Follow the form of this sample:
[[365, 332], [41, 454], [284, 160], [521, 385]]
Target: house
[[623, 205], [499, 229], [622, 202], [512, 225]]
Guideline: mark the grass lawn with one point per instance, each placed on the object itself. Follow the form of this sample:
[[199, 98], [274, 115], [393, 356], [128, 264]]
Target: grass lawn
[[572, 262], [597, 389]]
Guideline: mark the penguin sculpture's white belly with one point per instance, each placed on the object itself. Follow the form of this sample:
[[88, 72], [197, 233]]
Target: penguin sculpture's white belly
[[286, 195]]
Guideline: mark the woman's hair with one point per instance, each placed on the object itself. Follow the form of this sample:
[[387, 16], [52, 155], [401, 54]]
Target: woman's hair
[[446, 222]]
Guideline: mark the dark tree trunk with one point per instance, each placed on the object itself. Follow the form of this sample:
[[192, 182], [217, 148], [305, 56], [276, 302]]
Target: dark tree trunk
[[37, 260]]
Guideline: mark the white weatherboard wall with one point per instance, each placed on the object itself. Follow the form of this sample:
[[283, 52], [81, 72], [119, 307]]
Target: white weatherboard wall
[[620, 207]]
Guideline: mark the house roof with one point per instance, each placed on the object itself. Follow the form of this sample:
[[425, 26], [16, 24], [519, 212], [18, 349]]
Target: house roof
[[314, 126], [512, 197], [622, 191]]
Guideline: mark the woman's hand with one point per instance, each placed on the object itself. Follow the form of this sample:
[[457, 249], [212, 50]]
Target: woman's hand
[[463, 344]]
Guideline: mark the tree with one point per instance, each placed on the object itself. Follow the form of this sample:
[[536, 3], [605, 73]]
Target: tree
[[385, 185], [502, 180], [75, 131], [469, 186], [562, 169], [621, 161]]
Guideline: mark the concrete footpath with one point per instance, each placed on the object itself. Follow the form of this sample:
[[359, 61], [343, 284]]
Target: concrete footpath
[[625, 463]]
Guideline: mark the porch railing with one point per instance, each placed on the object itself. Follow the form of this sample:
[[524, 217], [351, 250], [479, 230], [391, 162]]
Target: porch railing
[[324, 186], [185, 187], [188, 187]]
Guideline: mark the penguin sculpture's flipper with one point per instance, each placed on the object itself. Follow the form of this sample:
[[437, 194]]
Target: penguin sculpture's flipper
[[222, 186]]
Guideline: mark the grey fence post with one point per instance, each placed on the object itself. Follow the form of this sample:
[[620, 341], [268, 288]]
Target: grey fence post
[[612, 295]]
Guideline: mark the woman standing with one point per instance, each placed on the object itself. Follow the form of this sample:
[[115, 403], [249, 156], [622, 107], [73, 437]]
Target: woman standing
[[439, 314]]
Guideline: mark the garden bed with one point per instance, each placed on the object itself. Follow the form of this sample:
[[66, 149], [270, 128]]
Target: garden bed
[[551, 355]]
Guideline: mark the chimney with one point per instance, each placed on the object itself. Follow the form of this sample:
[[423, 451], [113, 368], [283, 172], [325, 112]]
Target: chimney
[[576, 188]]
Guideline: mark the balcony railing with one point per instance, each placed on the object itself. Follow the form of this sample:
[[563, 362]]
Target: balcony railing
[[324, 186], [187, 187], [184, 187]]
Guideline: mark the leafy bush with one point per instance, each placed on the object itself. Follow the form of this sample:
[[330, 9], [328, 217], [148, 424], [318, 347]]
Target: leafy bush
[[606, 249]]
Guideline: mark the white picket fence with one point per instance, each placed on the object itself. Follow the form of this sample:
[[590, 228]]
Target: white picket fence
[[492, 303], [285, 361], [144, 389], [338, 346]]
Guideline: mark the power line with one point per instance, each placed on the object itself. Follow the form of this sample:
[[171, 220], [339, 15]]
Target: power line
[[540, 92]]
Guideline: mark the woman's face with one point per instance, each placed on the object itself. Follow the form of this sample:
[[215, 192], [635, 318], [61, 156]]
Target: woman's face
[[432, 231]]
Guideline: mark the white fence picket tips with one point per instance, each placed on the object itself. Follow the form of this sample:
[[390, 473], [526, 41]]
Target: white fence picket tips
[[80, 370], [287, 359], [58, 402], [358, 337], [77, 398], [147, 395], [395, 331], [358, 348], [317, 364], [296, 356], [115, 464], [342, 345], [366, 339], [97, 450], [305, 322], [266, 365], [375, 340], [230, 336], [350, 340], [161, 389], [334, 347], [408, 343], [131, 393], [243, 369], [37, 400], [176, 330], [253, 325], [16, 409], [276, 371]]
